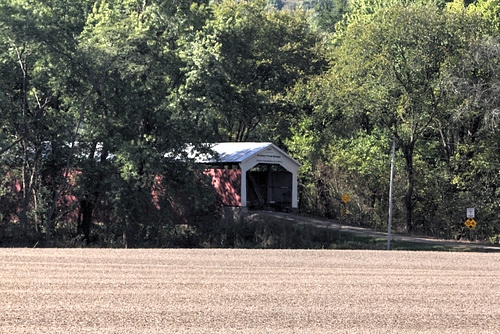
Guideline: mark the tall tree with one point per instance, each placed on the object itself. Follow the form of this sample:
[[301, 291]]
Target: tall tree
[[136, 115], [89, 99], [390, 68], [240, 65], [37, 119]]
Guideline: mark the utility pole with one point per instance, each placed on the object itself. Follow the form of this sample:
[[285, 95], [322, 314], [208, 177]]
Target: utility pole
[[390, 195]]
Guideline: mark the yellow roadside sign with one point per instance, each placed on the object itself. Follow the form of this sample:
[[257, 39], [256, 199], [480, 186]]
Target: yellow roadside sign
[[470, 223], [346, 198]]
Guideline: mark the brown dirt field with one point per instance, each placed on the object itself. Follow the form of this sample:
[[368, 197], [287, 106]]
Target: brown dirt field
[[247, 291]]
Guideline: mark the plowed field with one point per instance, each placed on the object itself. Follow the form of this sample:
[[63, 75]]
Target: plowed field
[[247, 291]]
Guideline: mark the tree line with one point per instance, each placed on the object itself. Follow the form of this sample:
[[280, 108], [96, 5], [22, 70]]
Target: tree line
[[98, 98]]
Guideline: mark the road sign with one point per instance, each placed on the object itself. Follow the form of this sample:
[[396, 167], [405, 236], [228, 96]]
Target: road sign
[[470, 223], [344, 213], [470, 212], [346, 198]]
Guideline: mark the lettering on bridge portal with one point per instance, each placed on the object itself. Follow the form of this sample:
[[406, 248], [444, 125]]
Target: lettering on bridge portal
[[269, 158]]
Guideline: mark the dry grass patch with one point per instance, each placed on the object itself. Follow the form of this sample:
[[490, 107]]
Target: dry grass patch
[[247, 291]]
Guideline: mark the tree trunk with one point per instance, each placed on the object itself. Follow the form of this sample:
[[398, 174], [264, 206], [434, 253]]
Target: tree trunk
[[23, 216], [28, 179], [85, 218], [62, 186], [129, 234], [27, 195], [24, 111], [408, 149]]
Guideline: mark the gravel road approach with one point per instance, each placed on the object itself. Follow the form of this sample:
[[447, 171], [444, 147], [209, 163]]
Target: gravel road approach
[[337, 225]]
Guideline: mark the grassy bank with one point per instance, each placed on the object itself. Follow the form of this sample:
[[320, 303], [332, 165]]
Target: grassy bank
[[275, 234], [245, 233]]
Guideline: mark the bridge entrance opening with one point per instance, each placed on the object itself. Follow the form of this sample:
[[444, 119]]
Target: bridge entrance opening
[[269, 186]]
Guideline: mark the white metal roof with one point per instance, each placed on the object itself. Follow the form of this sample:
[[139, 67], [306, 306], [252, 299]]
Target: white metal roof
[[236, 152]]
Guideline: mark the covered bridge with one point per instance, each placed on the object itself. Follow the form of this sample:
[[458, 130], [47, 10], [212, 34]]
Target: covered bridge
[[253, 175]]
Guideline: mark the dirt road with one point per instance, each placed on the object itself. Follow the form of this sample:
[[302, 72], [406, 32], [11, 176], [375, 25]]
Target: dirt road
[[325, 223]]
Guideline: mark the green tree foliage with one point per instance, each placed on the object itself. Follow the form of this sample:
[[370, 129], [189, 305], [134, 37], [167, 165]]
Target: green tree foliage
[[37, 120], [470, 136], [362, 12], [135, 115], [390, 76], [278, 4], [398, 72], [329, 12], [490, 11], [240, 66], [99, 99], [96, 94]]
